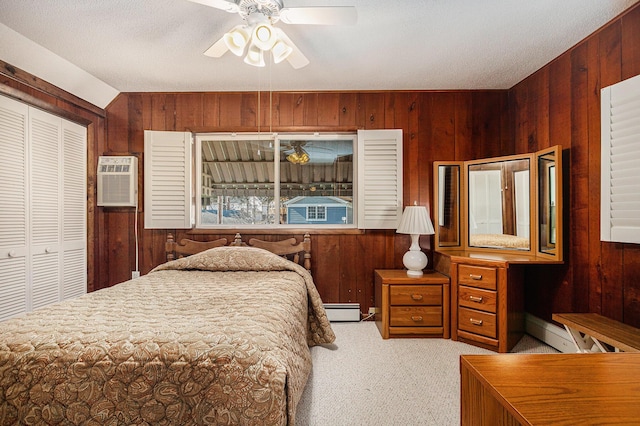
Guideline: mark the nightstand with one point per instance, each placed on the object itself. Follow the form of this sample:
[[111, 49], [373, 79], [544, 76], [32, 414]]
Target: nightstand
[[411, 306]]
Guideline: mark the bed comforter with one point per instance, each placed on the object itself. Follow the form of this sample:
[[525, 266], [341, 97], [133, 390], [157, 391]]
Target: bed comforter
[[220, 337]]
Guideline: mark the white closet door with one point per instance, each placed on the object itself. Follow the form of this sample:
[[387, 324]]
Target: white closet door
[[379, 178], [45, 204], [13, 208], [74, 212]]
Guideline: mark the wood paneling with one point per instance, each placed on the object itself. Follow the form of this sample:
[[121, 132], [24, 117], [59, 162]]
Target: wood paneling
[[343, 264], [560, 104]]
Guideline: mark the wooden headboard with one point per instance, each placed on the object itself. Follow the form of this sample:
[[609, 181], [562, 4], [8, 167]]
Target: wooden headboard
[[187, 247], [289, 248]]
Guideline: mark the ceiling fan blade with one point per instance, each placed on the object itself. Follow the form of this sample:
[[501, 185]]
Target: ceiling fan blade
[[295, 58], [217, 49], [219, 4], [320, 15]]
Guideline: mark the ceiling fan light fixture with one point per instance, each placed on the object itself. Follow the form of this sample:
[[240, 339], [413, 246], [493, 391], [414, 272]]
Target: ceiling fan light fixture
[[280, 50], [255, 56], [264, 36], [296, 158], [237, 39]]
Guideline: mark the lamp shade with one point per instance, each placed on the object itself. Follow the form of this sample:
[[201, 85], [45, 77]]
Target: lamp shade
[[415, 220]]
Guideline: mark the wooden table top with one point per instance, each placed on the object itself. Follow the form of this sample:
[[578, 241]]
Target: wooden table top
[[563, 389]]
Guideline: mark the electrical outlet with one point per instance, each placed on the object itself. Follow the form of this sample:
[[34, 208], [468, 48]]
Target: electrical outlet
[[135, 274], [373, 311]]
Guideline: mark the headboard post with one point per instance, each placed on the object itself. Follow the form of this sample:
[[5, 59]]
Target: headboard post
[[237, 240], [170, 246], [306, 245]]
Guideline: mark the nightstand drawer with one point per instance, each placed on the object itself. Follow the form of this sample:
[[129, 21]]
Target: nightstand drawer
[[477, 322], [415, 294], [423, 316], [477, 276], [475, 298]]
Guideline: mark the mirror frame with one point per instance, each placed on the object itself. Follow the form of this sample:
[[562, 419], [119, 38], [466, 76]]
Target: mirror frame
[[456, 204], [557, 253], [535, 194]]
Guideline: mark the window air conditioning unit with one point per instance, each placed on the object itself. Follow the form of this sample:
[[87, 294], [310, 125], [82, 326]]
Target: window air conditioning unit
[[117, 181]]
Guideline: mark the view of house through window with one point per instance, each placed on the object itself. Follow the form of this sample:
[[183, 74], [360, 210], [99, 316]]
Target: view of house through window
[[250, 179]]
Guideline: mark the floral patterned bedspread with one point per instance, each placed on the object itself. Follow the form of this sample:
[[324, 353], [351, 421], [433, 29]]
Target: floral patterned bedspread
[[221, 337]]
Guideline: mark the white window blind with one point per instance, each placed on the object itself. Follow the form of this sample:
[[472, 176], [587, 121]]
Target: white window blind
[[379, 178], [167, 180], [620, 162]]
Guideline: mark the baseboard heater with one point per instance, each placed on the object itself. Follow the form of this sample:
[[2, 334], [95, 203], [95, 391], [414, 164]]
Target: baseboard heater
[[342, 312]]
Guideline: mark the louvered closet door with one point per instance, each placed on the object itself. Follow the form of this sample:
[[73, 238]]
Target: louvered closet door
[[74, 222], [45, 184], [13, 207]]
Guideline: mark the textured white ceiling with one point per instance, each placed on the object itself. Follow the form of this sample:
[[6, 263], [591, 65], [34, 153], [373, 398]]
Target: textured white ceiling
[[157, 45]]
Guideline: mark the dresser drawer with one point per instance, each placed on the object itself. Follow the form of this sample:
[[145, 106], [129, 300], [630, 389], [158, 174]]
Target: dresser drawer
[[477, 276], [416, 316], [477, 322], [415, 294], [476, 298]]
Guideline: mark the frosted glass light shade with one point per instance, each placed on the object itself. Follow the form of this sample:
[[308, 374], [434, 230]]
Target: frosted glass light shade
[[237, 39]]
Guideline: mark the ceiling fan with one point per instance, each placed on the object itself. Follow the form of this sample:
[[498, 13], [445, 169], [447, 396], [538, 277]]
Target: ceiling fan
[[299, 154], [258, 35]]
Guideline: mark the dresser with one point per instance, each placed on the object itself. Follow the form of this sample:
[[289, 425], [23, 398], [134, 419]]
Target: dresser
[[487, 306], [545, 389], [412, 306]]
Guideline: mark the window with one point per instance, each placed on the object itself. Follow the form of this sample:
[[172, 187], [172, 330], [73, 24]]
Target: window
[[251, 180], [316, 213], [275, 180]]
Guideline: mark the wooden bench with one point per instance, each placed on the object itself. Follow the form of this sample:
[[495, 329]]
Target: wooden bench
[[595, 333]]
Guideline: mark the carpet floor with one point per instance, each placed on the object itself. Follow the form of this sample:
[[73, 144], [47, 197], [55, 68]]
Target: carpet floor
[[364, 380]]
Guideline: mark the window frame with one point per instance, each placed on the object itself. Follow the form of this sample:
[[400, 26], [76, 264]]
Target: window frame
[[277, 139]]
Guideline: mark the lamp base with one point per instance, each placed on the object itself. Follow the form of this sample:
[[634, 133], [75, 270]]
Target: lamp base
[[415, 261]]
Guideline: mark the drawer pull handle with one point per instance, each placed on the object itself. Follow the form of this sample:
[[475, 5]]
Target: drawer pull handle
[[476, 299], [416, 318], [416, 296], [475, 277], [475, 321]]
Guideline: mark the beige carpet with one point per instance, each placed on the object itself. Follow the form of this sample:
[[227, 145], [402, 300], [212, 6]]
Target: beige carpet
[[365, 380]]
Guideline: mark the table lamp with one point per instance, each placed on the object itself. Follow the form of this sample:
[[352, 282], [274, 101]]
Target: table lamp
[[415, 221]]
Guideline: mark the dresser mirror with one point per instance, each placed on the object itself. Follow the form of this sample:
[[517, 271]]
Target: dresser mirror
[[499, 203], [510, 204], [448, 223], [549, 201]]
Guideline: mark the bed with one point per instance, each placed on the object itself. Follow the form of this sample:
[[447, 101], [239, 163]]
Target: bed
[[216, 337]]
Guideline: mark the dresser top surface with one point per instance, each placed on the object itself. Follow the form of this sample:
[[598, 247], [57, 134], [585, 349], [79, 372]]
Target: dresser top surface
[[562, 388], [399, 276]]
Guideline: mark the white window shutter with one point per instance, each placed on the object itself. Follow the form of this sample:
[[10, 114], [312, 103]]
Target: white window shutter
[[620, 160], [379, 182], [167, 180]]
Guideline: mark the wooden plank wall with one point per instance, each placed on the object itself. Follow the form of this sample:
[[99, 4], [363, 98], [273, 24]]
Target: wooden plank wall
[[436, 125], [560, 104]]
